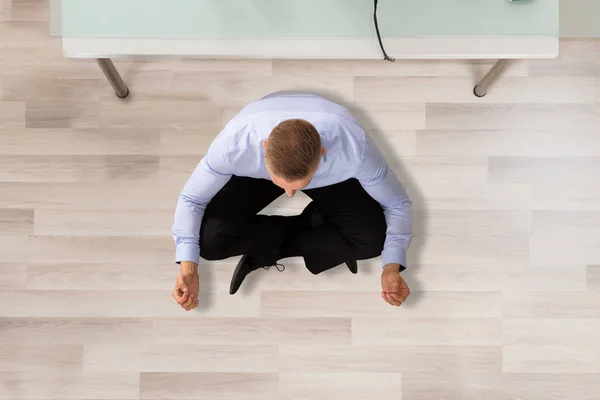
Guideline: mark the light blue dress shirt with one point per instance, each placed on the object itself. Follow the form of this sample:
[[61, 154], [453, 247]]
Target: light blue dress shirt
[[238, 150]]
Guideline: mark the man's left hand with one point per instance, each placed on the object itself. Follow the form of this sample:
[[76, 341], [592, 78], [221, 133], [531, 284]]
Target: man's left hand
[[394, 288]]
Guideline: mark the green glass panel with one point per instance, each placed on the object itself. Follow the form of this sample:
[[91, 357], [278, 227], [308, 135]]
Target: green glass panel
[[302, 18]]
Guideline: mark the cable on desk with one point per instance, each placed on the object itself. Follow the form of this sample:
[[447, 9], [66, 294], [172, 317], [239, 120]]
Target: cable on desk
[[385, 55]]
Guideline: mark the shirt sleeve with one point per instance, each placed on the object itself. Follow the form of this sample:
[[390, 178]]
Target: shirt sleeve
[[208, 178], [381, 183]]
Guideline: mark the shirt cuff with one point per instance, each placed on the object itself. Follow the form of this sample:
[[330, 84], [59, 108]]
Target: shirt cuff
[[187, 252], [394, 255]]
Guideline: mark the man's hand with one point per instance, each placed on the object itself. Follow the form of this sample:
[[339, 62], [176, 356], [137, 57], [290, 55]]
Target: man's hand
[[186, 286], [394, 288]]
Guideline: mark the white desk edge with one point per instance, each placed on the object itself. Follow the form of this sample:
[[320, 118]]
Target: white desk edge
[[419, 48]]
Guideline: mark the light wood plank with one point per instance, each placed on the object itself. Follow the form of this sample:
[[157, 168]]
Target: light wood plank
[[152, 114], [61, 113], [181, 358], [593, 278], [46, 169], [135, 303], [473, 249], [381, 359], [349, 386], [138, 222], [13, 249], [177, 168], [575, 230], [191, 64], [26, 59], [227, 87], [567, 223], [465, 223], [368, 304], [433, 170], [508, 143], [567, 170], [29, 11], [394, 143], [187, 141], [469, 196], [511, 277], [547, 249], [141, 250], [506, 116], [5, 9], [16, 222], [89, 195], [13, 276], [551, 305], [550, 332], [427, 331], [529, 90], [217, 386], [475, 386], [551, 386], [41, 358], [12, 114], [19, 87], [407, 116], [252, 331], [71, 331], [66, 385], [78, 168], [79, 141], [551, 359], [453, 386], [86, 276], [566, 197]]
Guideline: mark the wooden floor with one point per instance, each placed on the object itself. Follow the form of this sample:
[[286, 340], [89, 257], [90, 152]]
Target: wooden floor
[[504, 265]]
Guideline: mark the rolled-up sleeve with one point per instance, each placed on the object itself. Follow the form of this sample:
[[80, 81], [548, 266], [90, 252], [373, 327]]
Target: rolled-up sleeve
[[381, 184], [208, 178]]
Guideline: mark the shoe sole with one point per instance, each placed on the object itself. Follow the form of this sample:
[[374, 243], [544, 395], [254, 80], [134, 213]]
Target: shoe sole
[[236, 276], [352, 266]]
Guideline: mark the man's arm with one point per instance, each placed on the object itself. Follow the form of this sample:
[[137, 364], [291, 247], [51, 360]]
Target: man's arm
[[381, 183], [207, 179]]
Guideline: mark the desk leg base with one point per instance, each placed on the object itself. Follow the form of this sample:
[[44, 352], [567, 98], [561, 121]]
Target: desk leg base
[[492, 76], [111, 73]]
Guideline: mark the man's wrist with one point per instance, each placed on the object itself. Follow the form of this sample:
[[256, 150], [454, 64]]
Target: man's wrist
[[188, 267], [392, 267]]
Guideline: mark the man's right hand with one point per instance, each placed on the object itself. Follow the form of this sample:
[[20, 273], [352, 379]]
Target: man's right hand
[[186, 288]]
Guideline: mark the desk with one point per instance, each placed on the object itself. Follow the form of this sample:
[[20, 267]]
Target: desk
[[307, 29]]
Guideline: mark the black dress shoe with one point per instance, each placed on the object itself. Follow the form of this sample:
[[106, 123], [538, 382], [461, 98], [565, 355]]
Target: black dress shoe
[[246, 265], [352, 266]]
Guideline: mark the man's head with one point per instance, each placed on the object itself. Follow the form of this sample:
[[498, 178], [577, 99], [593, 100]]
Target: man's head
[[292, 154]]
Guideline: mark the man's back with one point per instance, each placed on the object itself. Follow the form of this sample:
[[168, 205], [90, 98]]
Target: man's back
[[239, 147]]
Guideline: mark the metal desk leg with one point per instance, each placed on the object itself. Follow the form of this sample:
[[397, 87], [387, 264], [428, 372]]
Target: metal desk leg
[[492, 76], [109, 69]]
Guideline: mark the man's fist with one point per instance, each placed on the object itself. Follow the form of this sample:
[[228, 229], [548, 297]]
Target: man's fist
[[394, 288], [186, 290]]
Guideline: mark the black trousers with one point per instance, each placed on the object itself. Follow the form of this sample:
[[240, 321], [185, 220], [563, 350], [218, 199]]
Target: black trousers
[[351, 225]]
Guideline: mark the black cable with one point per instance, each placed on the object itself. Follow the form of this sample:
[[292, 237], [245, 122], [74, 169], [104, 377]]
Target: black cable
[[385, 55]]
